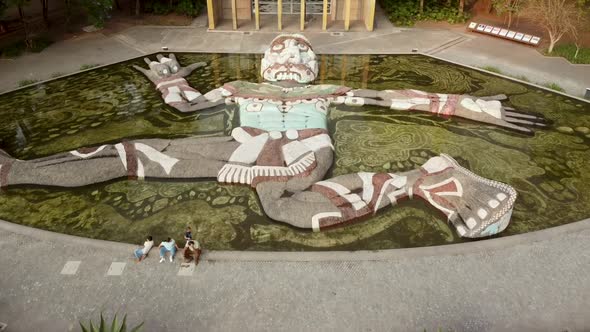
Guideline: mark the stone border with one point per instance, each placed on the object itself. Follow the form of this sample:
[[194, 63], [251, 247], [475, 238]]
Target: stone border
[[505, 77], [320, 256], [394, 53]]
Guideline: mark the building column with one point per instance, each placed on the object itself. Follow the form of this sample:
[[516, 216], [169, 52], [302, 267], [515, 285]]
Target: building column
[[302, 16], [257, 14], [369, 14], [280, 14], [347, 15], [325, 16], [234, 14], [210, 14]]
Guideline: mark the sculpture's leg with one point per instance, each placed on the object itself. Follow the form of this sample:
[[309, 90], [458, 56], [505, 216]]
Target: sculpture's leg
[[475, 206], [154, 158]]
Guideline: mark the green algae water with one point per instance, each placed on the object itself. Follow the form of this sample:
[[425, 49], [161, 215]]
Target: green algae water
[[115, 102]]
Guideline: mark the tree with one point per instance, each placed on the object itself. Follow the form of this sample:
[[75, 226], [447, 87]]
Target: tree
[[3, 7], [558, 17], [45, 6], [580, 24], [98, 11], [19, 4], [508, 7]]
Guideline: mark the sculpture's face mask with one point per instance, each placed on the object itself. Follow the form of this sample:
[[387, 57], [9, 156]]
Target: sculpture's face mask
[[289, 58], [160, 69]]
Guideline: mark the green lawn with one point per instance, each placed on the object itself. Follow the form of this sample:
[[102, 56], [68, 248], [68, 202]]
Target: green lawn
[[568, 50]]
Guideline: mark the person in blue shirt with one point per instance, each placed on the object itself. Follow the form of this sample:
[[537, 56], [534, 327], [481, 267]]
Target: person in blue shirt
[[168, 246]]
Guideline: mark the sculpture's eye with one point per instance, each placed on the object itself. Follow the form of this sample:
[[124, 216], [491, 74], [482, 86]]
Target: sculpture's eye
[[165, 71], [174, 69], [278, 47], [303, 47]]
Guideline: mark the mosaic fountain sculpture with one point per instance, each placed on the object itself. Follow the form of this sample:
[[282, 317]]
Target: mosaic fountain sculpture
[[283, 149]]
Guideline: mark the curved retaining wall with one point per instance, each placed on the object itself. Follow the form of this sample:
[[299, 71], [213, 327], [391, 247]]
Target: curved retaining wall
[[304, 256]]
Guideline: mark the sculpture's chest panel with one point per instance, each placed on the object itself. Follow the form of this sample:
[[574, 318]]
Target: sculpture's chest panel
[[270, 107]]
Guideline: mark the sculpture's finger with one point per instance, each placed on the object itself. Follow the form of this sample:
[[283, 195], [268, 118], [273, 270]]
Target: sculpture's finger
[[172, 56], [496, 97], [159, 57], [147, 61], [515, 127], [525, 122], [522, 115]]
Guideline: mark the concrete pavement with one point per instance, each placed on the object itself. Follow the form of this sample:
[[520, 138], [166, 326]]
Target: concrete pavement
[[531, 282]]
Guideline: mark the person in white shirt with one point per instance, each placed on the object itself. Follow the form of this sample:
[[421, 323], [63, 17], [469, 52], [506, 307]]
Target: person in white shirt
[[141, 253], [168, 246]]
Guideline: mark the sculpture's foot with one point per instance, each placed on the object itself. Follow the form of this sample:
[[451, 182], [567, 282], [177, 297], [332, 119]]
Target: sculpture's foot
[[476, 206]]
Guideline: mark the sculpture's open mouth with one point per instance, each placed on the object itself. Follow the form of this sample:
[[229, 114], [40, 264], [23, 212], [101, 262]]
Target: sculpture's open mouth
[[287, 75], [108, 104]]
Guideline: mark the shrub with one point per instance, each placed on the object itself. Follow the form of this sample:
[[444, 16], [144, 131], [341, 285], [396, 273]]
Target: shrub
[[88, 66], [26, 82], [98, 11], [569, 50], [17, 48], [554, 86], [406, 12], [114, 327], [57, 74], [157, 7], [13, 50], [189, 7], [492, 69], [40, 43]]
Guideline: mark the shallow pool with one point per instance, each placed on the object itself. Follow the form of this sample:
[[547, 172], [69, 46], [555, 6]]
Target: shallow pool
[[115, 102]]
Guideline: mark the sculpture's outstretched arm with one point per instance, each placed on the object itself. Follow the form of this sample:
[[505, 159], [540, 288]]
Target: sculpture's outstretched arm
[[168, 76], [482, 109]]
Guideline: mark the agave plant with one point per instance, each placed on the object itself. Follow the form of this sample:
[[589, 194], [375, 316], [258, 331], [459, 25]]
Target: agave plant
[[113, 328]]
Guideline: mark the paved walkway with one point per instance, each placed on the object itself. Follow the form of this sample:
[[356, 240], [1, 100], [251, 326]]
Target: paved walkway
[[531, 282], [454, 45]]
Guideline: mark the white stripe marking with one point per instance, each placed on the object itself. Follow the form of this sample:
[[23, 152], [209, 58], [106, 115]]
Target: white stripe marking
[[315, 220], [140, 170], [70, 268], [86, 155], [116, 269], [122, 154]]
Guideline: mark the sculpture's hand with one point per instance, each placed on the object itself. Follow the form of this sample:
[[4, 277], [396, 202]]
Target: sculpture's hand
[[176, 68], [490, 110], [156, 71]]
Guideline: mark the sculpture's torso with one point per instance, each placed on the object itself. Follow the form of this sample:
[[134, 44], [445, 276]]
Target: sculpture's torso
[[274, 108]]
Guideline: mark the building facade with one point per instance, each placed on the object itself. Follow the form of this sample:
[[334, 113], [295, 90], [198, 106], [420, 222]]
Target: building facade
[[332, 14]]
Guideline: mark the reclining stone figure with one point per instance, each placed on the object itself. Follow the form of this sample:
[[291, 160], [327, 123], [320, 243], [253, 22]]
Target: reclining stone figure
[[283, 149]]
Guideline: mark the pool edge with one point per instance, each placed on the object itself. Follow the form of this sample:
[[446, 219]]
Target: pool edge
[[317, 256]]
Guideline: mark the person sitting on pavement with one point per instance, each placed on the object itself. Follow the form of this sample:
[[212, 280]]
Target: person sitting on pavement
[[188, 235], [168, 246], [141, 253], [192, 252]]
